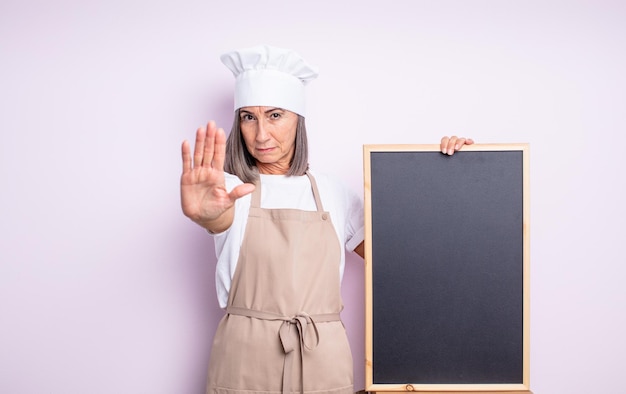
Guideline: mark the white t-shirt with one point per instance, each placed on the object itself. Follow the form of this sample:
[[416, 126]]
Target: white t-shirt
[[293, 192]]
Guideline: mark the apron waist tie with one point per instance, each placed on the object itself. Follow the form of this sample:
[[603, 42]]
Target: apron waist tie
[[290, 338]]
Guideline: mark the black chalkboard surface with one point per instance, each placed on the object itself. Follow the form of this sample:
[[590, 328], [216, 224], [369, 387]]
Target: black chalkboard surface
[[447, 268]]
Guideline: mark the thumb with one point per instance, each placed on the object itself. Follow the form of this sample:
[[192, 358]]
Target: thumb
[[241, 191]]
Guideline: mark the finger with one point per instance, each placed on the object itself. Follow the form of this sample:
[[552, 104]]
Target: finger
[[186, 157], [199, 146], [241, 190], [219, 152], [444, 145], [451, 144], [209, 145], [463, 141]]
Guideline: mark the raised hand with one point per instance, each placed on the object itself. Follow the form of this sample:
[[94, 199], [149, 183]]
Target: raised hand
[[449, 145], [204, 197]]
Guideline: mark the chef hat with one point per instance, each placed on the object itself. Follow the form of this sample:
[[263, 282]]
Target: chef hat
[[269, 76]]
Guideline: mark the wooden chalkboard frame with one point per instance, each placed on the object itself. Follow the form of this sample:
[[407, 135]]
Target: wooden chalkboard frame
[[520, 151]]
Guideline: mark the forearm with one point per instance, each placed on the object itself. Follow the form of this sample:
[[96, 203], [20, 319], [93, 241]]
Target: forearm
[[217, 225]]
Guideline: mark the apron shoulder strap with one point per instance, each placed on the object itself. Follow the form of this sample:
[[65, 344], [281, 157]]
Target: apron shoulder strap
[[316, 193], [256, 195]]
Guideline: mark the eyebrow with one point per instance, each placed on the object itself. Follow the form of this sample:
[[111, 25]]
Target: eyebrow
[[265, 112], [274, 109]]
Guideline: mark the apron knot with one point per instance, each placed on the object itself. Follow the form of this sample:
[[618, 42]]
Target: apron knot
[[292, 334], [293, 331]]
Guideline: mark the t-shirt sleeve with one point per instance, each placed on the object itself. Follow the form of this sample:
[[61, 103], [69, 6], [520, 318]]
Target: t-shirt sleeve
[[355, 227]]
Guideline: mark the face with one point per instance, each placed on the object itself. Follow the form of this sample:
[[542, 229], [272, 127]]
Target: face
[[269, 134]]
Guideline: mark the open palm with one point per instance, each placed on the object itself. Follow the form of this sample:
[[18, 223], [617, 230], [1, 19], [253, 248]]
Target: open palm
[[204, 197]]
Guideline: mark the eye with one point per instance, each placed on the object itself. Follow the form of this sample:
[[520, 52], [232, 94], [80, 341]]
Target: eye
[[275, 115], [246, 117]]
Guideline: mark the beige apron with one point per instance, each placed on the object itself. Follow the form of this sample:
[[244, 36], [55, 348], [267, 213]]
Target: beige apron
[[282, 331]]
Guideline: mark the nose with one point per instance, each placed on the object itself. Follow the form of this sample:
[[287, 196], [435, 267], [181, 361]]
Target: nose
[[261, 131]]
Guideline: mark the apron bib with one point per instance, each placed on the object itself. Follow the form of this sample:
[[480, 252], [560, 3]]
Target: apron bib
[[282, 332]]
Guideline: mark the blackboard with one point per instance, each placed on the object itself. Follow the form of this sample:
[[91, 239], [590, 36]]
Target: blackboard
[[447, 263]]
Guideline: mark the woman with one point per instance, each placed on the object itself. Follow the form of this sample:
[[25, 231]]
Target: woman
[[280, 235]]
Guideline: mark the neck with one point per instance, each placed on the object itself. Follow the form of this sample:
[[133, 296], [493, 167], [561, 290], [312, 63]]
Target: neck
[[272, 169]]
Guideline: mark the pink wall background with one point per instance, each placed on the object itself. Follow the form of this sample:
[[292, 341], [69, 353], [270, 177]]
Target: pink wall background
[[106, 288]]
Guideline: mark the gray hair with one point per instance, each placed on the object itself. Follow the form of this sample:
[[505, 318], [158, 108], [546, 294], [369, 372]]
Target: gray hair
[[240, 162]]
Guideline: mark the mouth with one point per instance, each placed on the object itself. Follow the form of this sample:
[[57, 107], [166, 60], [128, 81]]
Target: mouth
[[264, 150]]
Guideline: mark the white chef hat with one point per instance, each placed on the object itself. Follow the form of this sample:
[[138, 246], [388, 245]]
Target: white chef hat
[[269, 76]]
